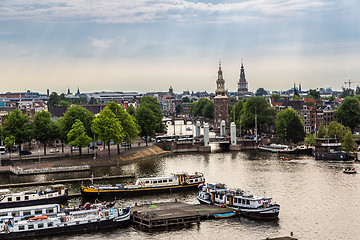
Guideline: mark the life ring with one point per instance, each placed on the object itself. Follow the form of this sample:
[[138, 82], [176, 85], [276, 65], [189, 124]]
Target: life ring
[[269, 201], [259, 201], [102, 214], [187, 181], [66, 219]]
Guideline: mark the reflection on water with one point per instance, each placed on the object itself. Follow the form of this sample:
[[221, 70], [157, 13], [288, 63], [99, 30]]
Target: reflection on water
[[317, 200]]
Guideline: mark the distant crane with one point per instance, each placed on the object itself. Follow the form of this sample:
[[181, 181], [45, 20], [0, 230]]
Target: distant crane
[[350, 82]]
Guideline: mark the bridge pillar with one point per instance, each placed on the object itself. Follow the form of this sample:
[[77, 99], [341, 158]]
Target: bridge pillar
[[222, 128], [233, 133], [206, 134], [197, 129]]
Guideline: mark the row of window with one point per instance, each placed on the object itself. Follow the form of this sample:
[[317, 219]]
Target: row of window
[[39, 225], [28, 212], [160, 181]]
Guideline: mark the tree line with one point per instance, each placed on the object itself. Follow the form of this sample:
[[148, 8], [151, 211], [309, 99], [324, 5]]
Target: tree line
[[79, 127]]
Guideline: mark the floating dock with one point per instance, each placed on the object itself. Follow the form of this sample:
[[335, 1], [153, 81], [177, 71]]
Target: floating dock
[[174, 214], [20, 171], [60, 181]]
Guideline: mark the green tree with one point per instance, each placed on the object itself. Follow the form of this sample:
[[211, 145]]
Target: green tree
[[260, 92], [208, 110], [131, 110], [289, 126], [196, 108], [296, 94], [315, 94], [147, 121], [54, 99], [44, 128], [77, 136], [238, 108], [310, 139], [348, 144], [264, 113], [18, 125], [275, 96], [93, 101], [322, 131], [347, 92], [337, 130], [348, 113], [64, 103], [178, 109], [9, 143], [74, 113], [154, 106], [108, 127], [185, 99]]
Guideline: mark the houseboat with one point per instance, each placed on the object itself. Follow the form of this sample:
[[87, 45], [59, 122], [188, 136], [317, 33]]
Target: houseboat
[[329, 149], [349, 170], [246, 204], [278, 148], [54, 194], [20, 213], [62, 223], [177, 181]]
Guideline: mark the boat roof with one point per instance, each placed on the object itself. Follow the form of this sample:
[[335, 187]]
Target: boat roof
[[29, 207], [2, 191], [157, 178]]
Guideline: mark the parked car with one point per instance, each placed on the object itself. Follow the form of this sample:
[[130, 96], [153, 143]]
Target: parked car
[[54, 150], [92, 147], [75, 148], [25, 152]]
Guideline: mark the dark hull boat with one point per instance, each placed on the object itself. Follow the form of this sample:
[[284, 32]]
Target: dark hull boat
[[247, 205], [181, 181]]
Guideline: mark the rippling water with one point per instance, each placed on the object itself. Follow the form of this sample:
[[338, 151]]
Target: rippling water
[[317, 200]]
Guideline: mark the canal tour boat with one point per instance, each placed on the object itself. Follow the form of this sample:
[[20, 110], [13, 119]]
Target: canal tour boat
[[75, 221], [177, 181], [246, 204], [54, 194]]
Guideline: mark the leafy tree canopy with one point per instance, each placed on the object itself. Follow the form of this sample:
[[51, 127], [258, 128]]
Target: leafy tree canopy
[[348, 113], [154, 106], [315, 94], [260, 92], [348, 144], [131, 110], [18, 125], [146, 120], [74, 113], [44, 128], [185, 100], [289, 126], [77, 136]]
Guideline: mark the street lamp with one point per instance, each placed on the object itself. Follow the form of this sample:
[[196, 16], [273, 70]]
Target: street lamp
[[94, 147]]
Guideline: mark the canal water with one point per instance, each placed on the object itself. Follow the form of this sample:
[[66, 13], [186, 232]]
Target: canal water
[[318, 201]]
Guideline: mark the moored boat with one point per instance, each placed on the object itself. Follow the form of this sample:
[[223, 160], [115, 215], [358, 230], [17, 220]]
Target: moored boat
[[349, 170], [246, 204], [54, 194], [278, 148], [329, 149], [77, 221], [177, 181]]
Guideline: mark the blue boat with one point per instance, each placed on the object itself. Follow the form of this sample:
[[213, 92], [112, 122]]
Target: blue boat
[[224, 215]]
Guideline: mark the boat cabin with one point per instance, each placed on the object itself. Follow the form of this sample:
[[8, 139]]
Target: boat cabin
[[25, 212], [327, 145]]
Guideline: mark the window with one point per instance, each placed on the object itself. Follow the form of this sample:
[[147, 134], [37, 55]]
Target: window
[[38, 211], [196, 180], [3, 214], [30, 226], [191, 181], [49, 210], [154, 181], [40, 225], [147, 182], [160, 181], [9, 199], [26, 213], [50, 224], [165, 180], [170, 180], [15, 214], [17, 198], [22, 227], [26, 197]]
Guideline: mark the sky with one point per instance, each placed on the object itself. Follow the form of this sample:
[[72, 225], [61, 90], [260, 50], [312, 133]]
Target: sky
[[150, 45]]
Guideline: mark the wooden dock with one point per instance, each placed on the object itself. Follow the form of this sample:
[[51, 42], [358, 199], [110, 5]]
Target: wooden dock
[[60, 181], [173, 214]]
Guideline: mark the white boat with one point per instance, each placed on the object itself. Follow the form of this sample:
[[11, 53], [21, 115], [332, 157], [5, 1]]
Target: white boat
[[349, 170], [20, 213], [62, 223], [246, 204], [178, 181], [54, 194], [278, 148]]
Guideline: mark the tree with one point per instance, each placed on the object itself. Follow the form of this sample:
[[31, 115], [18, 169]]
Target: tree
[[289, 126], [196, 108], [347, 92], [185, 99], [264, 113], [337, 130], [64, 103], [9, 143], [322, 131], [275, 96], [178, 109], [147, 121], [296, 94], [310, 139], [108, 127], [154, 106], [348, 144], [315, 94], [260, 92], [44, 128], [128, 122], [131, 110], [54, 99], [93, 101], [77, 136], [348, 113], [74, 113], [18, 125], [208, 110]]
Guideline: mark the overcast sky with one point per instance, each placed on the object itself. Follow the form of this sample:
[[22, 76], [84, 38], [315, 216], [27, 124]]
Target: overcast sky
[[149, 45]]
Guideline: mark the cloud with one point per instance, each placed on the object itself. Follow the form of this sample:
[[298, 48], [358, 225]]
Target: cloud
[[107, 43], [144, 11]]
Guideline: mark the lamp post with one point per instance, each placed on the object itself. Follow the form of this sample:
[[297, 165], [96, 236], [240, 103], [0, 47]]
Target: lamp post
[[94, 147]]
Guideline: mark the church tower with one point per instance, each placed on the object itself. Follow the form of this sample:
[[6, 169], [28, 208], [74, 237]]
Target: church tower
[[221, 103], [242, 85]]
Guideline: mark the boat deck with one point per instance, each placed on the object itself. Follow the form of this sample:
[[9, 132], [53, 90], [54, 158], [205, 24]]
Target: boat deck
[[173, 213]]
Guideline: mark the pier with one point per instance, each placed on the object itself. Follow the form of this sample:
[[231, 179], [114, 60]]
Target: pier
[[153, 215], [60, 181]]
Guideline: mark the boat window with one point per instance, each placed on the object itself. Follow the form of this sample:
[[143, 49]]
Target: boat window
[[22, 227], [170, 180], [164, 180], [191, 181], [40, 225], [9, 199], [160, 181], [26, 197], [196, 180], [3, 214], [147, 182], [154, 181], [15, 214], [17, 198], [49, 210], [243, 201], [50, 224], [247, 202], [27, 213], [30, 226], [38, 211]]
